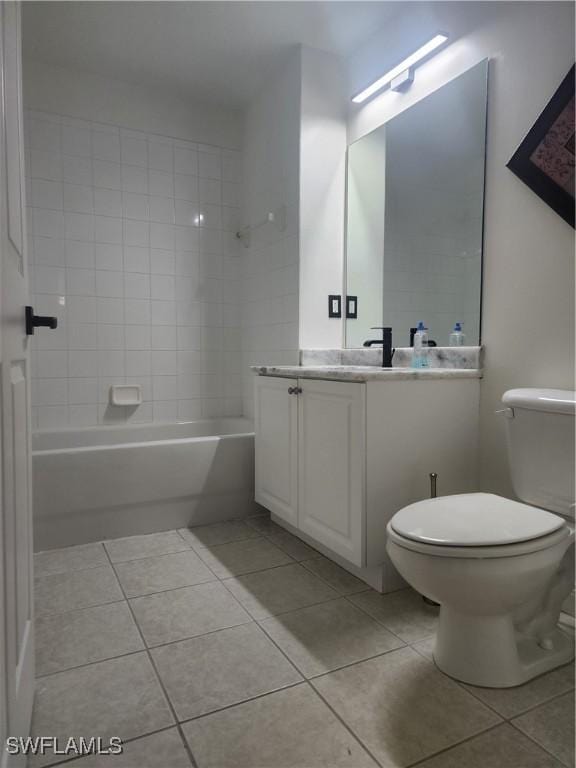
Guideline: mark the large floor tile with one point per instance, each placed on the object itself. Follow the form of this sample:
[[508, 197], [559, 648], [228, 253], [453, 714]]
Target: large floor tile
[[293, 546], [403, 612], [552, 726], [264, 525], [148, 545], [188, 612], [220, 669], [76, 589], [338, 578], [239, 557], [158, 574], [287, 729], [118, 697], [402, 708], [501, 747], [279, 590], [326, 636], [159, 750], [219, 533], [80, 637], [510, 702], [69, 559]]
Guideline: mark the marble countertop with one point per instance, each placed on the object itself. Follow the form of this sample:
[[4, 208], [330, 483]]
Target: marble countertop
[[364, 372]]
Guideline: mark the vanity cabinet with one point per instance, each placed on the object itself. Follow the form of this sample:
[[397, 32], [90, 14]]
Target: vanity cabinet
[[335, 460], [276, 427], [310, 459]]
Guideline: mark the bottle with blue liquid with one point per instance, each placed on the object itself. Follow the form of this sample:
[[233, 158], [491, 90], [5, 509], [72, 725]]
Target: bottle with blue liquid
[[420, 355]]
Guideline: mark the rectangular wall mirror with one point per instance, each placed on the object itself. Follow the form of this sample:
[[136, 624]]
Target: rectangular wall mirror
[[415, 204]]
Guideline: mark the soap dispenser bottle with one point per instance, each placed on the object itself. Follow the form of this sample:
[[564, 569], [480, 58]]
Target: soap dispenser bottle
[[457, 337], [420, 354]]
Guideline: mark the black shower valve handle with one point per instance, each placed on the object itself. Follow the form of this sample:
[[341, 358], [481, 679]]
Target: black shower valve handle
[[38, 321]]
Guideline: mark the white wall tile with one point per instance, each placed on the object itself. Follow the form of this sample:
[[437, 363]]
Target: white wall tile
[[186, 187], [138, 363], [137, 311], [161, 209], [136, 233], [52, 417], [81, 282], [136, 259], [48, 252], [209, 165], [76, 139], [106, 146], [109, 284], [83, 415], [107, 175], [137, 336], [79, 226], [163, 287], [160, 156], [47, 194], [78, 198], [162, 262], [161, 183], [110, 336], [111, 310], [77, 170], [108, 202], [82, 364], [134, 151], [45, 165], [82, 391], [136, 285], [108, 256], [127, 243], [107, 230], [47, 223], [186, 161], [51, 392]]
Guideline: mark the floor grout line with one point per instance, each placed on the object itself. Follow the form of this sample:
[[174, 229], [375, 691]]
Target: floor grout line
[[258, 622], [458, 744], [157, 675]]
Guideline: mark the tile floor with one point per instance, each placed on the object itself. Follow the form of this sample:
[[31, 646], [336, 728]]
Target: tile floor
[[238, 646]]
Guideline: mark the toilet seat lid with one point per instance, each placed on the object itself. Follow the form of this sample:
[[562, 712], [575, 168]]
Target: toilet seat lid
[[473, 520]]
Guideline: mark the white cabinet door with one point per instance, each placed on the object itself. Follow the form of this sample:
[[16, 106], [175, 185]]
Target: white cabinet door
[[331, 465], [276, 425]]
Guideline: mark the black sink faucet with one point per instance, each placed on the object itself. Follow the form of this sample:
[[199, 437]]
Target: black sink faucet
[[386, 342]]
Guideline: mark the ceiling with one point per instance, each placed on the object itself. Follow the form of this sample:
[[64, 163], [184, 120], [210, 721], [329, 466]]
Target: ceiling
[[217, 51]]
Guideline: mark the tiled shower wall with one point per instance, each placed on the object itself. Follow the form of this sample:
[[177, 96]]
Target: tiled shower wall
[[133, 248]]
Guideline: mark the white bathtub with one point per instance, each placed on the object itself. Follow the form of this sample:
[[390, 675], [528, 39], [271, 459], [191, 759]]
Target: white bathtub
[[105, 482]]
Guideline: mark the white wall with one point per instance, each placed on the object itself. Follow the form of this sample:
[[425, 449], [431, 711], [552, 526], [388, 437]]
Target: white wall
[[322, 190], [133, 248], [270, 263], [89, 96], [528, 292]]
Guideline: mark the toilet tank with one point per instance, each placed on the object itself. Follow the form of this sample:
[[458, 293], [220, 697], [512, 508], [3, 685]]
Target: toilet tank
[[540, 437]]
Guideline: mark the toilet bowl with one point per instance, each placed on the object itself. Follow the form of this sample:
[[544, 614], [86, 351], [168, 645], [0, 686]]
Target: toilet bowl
[[500, 569]]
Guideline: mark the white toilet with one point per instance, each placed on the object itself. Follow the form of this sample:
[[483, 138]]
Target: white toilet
[[501, 569]]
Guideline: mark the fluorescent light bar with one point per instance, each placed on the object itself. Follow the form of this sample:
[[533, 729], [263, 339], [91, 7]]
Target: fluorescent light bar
[[386, 79]]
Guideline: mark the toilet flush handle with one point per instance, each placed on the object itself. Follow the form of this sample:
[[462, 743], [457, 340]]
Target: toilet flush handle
[[508, 413]]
